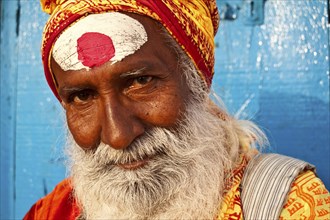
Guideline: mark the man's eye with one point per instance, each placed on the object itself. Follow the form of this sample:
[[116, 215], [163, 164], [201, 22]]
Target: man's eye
[[81, 96], [141, 80]]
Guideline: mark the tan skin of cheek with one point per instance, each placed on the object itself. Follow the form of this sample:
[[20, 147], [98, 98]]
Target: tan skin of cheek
[[87, 125], [164, 106], [165, 110]]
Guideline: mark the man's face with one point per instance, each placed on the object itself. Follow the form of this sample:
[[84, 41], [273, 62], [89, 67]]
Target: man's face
[[115, 103], [148, 146]]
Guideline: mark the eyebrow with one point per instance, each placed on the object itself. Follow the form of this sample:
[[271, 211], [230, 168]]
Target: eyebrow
[[133, 72], [68, 90]]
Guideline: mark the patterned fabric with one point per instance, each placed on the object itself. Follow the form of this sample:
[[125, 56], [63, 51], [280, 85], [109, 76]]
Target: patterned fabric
[[266, 183], [192, 23], [307, 199], [231, 207]]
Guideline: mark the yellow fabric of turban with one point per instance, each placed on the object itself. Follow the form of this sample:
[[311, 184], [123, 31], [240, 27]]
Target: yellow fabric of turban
[[192, 23]]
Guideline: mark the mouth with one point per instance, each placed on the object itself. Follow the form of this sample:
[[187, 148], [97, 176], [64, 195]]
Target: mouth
[[140, 163], [134, 164]]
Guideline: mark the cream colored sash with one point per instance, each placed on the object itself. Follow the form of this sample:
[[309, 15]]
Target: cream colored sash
[[266, 182]]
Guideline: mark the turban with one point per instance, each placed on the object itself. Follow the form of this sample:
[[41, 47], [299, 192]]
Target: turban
[[192, 23]]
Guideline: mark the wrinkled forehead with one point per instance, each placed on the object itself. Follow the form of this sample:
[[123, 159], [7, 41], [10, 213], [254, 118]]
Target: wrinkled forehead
[[97, 39]]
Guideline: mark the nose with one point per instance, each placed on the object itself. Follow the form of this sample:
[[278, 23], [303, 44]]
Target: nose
[[120, 125]]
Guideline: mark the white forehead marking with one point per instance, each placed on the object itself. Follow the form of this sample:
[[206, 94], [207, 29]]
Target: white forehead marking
[[126, 33]]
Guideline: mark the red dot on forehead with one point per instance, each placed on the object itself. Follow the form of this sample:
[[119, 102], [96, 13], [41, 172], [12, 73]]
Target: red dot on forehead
[[95, 49]]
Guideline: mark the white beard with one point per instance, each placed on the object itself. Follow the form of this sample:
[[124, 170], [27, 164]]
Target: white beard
[[183, 180]]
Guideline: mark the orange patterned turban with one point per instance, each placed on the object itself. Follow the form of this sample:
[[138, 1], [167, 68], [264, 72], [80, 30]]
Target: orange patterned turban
[[192, 23]]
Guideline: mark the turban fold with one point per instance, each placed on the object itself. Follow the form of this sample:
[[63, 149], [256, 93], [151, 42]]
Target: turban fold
[[192, 23]]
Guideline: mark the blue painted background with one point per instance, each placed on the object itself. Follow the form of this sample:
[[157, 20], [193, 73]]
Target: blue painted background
[[276, 74]]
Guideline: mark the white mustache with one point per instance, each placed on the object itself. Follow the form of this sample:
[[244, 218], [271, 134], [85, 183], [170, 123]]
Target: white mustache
[[141, 148]]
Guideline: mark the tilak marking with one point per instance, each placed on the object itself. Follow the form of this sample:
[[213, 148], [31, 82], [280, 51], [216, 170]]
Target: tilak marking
[[97, 39]]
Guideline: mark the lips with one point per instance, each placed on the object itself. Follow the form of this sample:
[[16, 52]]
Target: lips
[[134, 165]]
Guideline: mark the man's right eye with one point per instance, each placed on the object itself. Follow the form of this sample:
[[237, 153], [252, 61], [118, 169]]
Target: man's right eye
[[80, 97]]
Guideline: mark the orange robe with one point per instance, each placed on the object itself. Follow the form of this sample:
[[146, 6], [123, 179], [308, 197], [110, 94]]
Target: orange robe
[[59, 204]]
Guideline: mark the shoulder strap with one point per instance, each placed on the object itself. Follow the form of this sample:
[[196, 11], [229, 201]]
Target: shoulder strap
[[266, 182]]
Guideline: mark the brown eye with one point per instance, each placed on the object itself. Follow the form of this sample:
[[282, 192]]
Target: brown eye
[[141, 85], [142, 80], [81, 96]]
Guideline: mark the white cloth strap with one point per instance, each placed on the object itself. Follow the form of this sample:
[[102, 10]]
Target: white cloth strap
[[266, 182]]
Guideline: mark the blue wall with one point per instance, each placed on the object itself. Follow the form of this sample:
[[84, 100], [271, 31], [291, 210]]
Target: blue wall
[[31, 117], [277, 74]]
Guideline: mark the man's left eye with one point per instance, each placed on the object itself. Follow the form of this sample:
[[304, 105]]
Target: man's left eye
[[141, 80]]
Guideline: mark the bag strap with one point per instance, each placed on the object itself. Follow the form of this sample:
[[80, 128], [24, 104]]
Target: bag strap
[[266, 182]]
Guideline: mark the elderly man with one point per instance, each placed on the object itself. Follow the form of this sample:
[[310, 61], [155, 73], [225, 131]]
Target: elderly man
[[145, 141]]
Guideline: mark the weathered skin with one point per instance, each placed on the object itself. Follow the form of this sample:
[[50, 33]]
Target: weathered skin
[[109, 105]]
